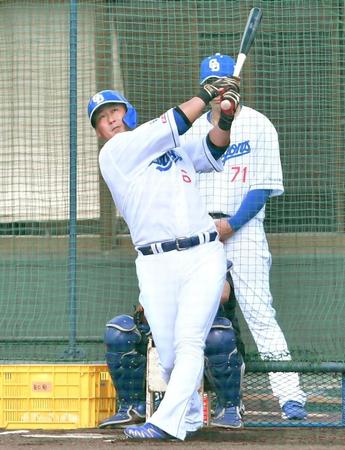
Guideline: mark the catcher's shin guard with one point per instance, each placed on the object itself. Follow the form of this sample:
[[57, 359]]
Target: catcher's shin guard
[[224, 366], [127, 368]]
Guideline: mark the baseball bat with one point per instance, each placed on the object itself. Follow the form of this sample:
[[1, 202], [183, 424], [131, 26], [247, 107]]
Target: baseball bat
[[253, 22]]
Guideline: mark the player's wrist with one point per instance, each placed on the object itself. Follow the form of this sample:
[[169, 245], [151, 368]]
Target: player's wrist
[[204, 95], [232, 226], [225, 121]]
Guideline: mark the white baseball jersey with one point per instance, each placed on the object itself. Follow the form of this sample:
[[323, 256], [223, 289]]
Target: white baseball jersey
[[252, 161], [153, 181]]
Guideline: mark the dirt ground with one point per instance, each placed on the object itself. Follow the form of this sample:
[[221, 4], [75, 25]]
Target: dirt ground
[[249, 438]]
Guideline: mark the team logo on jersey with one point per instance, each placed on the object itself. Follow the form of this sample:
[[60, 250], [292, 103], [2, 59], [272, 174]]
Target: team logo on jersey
[[165, 161], [236, 150]]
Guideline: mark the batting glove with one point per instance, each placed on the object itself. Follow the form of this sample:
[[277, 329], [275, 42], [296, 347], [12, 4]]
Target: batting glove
[[232, 83], [209, 91]]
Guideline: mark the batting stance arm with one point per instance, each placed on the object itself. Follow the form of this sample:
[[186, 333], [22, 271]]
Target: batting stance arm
[[193, 108], [185, 114], [183, 125]]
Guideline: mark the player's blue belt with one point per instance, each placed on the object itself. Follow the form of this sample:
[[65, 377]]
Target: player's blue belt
[[182, 243]]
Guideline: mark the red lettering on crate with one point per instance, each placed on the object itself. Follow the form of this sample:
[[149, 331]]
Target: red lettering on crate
[[41, 386]]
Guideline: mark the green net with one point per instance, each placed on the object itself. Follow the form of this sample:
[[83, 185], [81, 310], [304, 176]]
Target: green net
[[56, 296]]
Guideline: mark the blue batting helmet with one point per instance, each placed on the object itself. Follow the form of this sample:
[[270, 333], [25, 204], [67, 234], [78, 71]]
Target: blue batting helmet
[[216, 66], [104, 97]]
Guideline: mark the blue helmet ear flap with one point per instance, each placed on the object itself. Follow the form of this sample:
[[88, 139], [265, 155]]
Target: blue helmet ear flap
[[108, 97], [130, 118]]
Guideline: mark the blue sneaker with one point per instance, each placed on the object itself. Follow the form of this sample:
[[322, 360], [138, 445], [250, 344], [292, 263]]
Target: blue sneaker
[[126, 414], [219, 408], [228, 418], [292, 410], [147, 431]]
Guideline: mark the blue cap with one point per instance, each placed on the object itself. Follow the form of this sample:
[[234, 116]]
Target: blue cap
[[216, 66], [108, 97]]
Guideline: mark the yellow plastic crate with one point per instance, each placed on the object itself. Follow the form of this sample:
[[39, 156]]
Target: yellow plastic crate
[[55, 396]]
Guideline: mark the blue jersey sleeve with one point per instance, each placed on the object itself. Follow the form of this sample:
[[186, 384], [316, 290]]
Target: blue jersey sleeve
[[181, 120], [250, 206], [216, 152]]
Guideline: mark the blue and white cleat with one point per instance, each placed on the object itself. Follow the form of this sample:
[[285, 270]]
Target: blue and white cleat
[[127, 414], [292, 410], [228, 418], [147, 431]]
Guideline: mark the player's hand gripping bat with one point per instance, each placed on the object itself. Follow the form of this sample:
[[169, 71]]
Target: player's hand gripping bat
[[248, 37]]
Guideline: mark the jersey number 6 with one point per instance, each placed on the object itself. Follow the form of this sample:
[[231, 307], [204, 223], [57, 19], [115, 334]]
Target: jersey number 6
[[185, 177]]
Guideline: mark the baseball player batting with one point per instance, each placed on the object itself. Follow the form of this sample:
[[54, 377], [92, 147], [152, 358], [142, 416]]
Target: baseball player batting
[[181, 264], [252, 174]]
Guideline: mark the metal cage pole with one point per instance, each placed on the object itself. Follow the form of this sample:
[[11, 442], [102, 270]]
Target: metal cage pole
[[72, 352]]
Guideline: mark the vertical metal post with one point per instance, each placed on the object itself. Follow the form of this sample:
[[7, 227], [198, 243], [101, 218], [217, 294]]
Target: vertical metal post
[[72, 352]]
